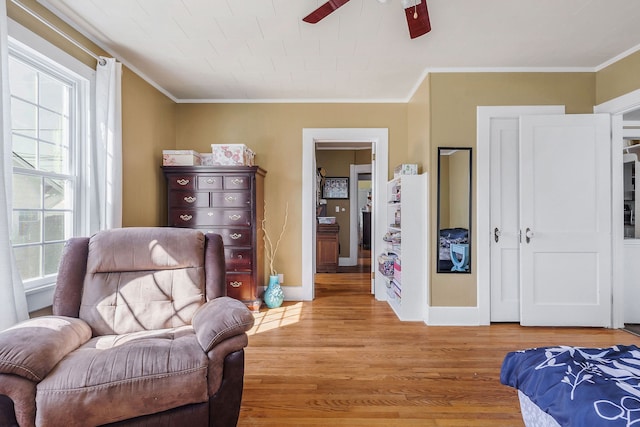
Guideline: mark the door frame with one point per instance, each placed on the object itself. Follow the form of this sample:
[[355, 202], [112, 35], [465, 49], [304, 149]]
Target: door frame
[[379, 139], [483, 216], [354, 171], [617, 107]]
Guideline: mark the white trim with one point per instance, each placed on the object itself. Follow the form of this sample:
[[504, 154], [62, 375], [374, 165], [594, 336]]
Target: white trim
[[379, 138], [617, 223], [354, 171], [38, 298], [511, 70], [73, 24], [48, 50], [616, 107], [39, 292], [483, 226], [413, 91], [295, 101], [617, 58], [453, 316], [620, 105]]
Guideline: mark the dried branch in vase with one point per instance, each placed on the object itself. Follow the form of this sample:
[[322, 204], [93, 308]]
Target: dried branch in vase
[[269, 248]]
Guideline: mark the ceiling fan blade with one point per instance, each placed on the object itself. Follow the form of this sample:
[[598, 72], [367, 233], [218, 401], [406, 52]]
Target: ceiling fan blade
[[323, 11], [417, 17]]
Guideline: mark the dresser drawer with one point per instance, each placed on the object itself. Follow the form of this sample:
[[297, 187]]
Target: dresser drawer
[[238, 259], [240, 182], [185, 182], [187, 199], [210, 182], [235, 236], [209, 217], [234, 218], [194, 217], [231, 199], [240, 286]]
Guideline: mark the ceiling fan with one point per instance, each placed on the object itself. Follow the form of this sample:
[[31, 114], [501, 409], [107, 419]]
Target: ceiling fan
[[415, 11]]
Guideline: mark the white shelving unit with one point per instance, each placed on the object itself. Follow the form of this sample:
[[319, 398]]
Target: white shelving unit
[[408, 226]]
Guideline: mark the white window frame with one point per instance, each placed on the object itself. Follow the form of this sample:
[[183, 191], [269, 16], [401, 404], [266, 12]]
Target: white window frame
[[39, 292]]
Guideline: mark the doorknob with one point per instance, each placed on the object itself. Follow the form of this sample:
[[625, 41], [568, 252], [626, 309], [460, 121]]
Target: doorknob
[[528, 234], [496, 234]]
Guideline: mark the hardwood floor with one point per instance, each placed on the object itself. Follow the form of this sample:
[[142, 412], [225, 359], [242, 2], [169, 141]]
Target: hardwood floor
[[344, 359]]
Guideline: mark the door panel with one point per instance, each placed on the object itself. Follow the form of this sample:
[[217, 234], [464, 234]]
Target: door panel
[[505, 280], [565, 209]]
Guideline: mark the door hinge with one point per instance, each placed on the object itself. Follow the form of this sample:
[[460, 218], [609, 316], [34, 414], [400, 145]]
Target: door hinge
[[373, 157], [373, 275]]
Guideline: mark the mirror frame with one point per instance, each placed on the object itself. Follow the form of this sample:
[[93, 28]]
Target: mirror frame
[[470, 196]]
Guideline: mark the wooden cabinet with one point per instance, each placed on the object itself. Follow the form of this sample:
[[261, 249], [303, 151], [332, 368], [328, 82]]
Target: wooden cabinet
[[226, 200], [366, 230], [327, 248]]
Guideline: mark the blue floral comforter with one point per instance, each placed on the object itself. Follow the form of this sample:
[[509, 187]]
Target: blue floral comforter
[[579, 387]]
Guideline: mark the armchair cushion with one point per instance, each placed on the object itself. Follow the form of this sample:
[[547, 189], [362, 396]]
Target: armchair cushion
[[220, 319], [32, 348], [143, 279], [116, 377]]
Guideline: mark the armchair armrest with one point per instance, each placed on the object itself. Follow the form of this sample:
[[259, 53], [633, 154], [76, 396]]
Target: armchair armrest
[[219, 319], [32, 348]]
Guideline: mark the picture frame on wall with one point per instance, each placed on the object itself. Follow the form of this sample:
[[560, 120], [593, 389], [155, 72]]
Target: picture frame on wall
[[335, 188]]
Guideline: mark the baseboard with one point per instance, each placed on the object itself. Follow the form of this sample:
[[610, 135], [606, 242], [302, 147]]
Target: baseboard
[[347, 262], [452, 316]]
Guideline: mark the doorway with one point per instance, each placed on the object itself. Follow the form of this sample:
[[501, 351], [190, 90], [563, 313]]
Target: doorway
[[350, 162], [377, 139], [564, 262]]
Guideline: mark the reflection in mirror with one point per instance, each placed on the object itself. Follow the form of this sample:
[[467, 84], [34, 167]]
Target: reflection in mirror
[[454, 210]]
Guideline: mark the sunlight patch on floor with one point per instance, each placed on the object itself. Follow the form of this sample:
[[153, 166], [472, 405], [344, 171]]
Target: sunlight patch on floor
[[274, 318]]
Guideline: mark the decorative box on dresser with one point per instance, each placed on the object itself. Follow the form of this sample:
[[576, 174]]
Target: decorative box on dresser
[[226, 200]]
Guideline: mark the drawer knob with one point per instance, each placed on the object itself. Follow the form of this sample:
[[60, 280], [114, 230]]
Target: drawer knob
[[235, 284], [240, 256], [183, 181], [189, 199], [237, 181], [185, 217], [231, 198], [210, 213], [210, 180], [235, 236], [235, 217]]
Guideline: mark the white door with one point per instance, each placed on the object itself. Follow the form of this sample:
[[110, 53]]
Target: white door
[[504, 244], [565, 220]]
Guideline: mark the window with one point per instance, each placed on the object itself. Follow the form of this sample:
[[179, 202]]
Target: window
[[47, 126]]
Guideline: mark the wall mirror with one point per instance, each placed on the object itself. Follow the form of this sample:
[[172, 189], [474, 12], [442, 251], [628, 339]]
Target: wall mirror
[[454, 210]]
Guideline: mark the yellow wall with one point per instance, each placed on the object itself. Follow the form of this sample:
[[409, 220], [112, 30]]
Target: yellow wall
[[419, 124], [442, 112], [148, 127], [618, 78], [274, 132], [454, 98]]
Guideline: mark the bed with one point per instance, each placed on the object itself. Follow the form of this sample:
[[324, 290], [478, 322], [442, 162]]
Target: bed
[[576, 387]]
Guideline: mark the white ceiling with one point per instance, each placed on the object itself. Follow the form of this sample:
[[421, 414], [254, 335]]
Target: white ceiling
[[259, 50]]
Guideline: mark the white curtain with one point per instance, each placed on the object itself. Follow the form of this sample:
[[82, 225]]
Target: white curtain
[[13, 302], [106, 158]]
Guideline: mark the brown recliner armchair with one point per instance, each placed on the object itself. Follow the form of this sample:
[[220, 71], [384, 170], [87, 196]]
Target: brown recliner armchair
[[141, 334]]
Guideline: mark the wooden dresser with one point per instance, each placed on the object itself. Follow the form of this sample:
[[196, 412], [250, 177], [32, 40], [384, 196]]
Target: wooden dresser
[[226, 200], [327, 248]]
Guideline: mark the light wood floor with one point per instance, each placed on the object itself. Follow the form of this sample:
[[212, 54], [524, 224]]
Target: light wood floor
[[345, 360]]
